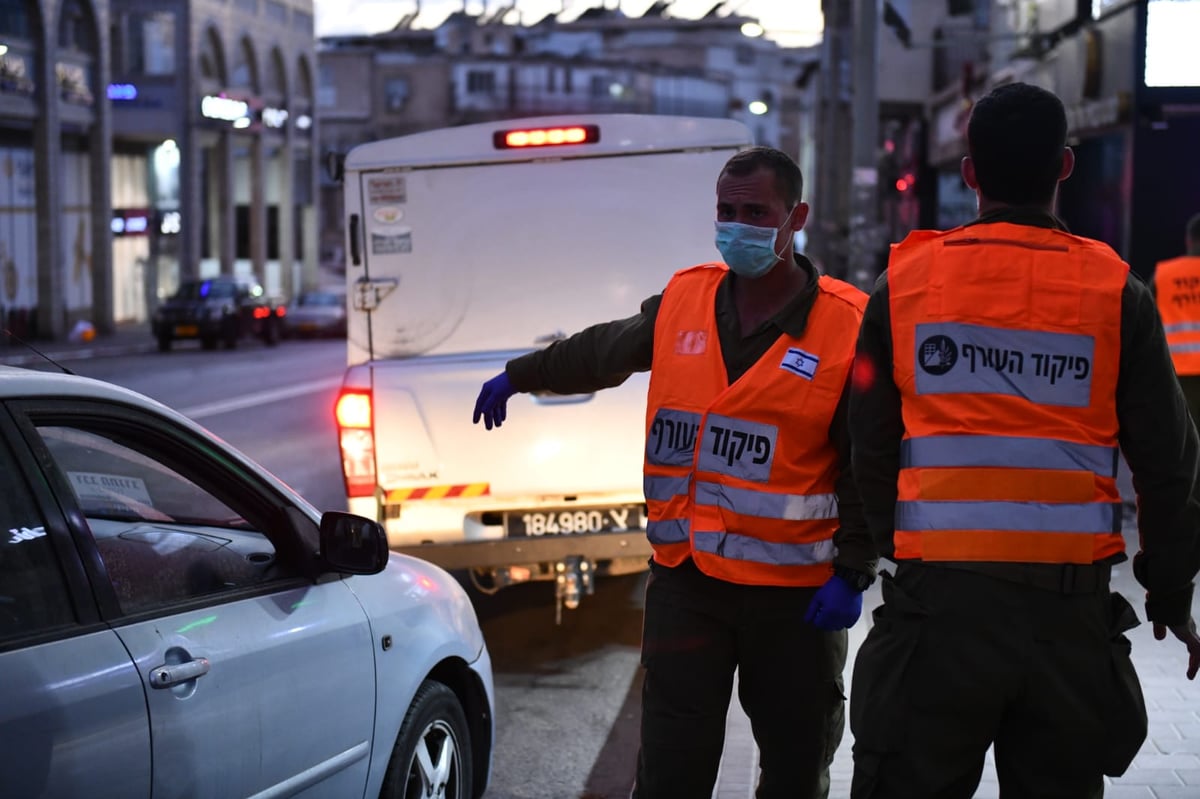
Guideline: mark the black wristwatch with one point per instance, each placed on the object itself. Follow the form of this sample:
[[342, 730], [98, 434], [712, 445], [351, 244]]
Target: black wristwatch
[[859, 581]]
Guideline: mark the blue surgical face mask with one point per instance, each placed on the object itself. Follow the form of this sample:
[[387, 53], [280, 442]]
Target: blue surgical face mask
[[748, 250]]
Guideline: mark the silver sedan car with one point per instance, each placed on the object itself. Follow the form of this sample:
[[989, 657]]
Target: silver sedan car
[[175, 622], [316, 313]]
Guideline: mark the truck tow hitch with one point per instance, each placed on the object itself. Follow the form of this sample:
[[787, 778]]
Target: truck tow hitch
[[572, 579]]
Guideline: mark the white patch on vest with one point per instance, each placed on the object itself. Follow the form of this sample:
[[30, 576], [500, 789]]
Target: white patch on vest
[[802, 363], [691, 342]]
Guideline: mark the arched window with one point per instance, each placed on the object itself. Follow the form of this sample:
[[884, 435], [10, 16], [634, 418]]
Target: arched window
[[75, 31], [276, 85], [212, 59], [244, 74], [304, 84]]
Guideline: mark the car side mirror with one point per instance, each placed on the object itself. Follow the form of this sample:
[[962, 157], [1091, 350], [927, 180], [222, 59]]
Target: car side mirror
[[352, 544]]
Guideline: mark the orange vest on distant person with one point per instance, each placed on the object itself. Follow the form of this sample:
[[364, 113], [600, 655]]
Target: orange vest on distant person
[[1177, 290], [741, 477], [1007, 342]]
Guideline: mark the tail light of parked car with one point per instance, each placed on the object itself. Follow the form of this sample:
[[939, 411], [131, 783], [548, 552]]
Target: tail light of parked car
[[356, 436]]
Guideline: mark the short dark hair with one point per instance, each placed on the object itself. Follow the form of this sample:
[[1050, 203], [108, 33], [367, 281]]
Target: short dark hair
[[1193, 235], [789, 183], [1016, 137]]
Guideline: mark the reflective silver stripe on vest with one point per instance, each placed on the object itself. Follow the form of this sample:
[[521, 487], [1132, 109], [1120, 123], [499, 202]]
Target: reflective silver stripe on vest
[[1091, 517], [667, 531], [663, 489], [1182, 327], [1007, 451], [792, 507], [744, 547], [1191, 346]]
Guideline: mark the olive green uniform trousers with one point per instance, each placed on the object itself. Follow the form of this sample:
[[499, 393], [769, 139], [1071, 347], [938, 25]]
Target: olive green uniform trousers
[[959, 660]]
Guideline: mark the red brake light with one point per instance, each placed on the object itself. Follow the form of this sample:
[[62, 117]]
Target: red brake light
[[356, 439], [546, 137], [354, 409], [262, 313]]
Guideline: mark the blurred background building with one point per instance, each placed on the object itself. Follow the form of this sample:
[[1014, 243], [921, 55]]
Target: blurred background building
[[146, 140], [143, 141], [480, 66]]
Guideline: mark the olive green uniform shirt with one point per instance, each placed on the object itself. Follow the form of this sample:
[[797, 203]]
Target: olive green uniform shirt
[[605, 355]]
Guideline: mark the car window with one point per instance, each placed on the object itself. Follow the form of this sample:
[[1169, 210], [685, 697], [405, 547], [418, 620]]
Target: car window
[[163, 538], [33, 591]]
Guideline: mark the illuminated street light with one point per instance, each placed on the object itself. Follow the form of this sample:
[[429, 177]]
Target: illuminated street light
[[752, 29], [757, 107]]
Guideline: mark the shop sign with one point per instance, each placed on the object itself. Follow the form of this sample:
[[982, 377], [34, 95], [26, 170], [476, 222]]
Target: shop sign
[[225, 109], [171, 223], [274, 117], [130, 222], [122, 92], [1096, 114]]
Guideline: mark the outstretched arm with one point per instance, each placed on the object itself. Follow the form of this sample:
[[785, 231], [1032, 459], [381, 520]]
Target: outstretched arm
[[598, 357]]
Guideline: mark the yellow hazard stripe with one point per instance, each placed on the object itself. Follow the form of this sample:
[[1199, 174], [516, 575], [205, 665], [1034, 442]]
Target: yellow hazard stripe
[[438, 492]]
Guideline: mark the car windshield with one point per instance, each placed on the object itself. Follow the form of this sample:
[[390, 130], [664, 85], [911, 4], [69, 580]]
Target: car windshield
[[204, 290], [319, 298]]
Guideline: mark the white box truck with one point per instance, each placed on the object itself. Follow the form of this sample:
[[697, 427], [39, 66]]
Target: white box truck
[[468, 246]]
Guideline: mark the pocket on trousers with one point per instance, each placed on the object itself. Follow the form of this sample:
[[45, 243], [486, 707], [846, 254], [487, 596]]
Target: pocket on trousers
[[878, 689], [1125, 719]]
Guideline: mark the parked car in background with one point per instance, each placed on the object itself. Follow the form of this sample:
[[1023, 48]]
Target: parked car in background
[[224, 309], [175, 621], [317, 313]]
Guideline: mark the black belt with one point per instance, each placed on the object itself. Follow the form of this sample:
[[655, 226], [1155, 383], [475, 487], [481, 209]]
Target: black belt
[[1062, 578]]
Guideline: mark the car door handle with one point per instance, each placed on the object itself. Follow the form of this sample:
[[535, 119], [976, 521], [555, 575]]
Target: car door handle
[[166, 676]]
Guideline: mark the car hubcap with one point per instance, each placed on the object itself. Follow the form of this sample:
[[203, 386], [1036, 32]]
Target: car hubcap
[[433, 773]]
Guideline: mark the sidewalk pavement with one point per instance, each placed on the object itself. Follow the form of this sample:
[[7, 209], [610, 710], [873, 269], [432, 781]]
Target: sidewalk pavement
[[1167, 767], [127, 339]]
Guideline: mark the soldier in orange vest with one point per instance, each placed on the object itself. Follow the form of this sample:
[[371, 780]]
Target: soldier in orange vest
[[761, 553], [1001, 369], [1177, 290]]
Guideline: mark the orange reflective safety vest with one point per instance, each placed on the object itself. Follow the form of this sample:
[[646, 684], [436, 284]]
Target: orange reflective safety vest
[[1177, 290], [1007, 340], [741, 477]]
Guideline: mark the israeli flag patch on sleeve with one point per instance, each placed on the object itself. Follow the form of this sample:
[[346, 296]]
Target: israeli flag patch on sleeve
[[799, 362]]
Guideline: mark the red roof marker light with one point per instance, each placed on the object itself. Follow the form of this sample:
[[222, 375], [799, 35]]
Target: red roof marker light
[[545, 137]]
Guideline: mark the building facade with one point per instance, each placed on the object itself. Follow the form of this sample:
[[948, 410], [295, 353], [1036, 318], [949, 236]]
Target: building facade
[[145, 141], [1127, 73], [214, 167], [54, 125], [479, 67]]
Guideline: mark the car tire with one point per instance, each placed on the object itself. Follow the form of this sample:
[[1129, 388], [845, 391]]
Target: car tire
[[164, 343], [432, 755], [208, 343]]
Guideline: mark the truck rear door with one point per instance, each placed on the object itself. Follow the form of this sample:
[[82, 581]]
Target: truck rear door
[[467, 245]]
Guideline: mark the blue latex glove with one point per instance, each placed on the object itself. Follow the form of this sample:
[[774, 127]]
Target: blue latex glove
[[835, 606], [492, 404]]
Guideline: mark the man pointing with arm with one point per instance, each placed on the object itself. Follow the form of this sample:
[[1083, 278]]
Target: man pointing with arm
[[760, 549]]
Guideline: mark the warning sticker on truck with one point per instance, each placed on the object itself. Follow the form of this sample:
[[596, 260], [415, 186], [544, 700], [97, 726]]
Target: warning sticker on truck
[[386, 190], [391, 243]]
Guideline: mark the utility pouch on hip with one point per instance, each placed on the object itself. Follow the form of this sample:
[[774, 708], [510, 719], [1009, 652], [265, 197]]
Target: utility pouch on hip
[[1125, 711]]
